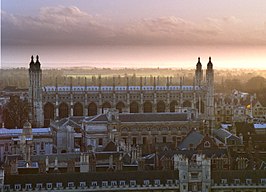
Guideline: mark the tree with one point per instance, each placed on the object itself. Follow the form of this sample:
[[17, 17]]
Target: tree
[[16, 112], [256, 83]]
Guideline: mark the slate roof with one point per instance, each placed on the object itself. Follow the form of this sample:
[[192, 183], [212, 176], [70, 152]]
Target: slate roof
[[17, 132], [153, 117], [223, 134], [144, 117], [73, 122], [100, 118], [193, 138]]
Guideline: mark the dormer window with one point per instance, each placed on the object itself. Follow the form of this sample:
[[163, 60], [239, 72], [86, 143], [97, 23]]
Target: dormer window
[[207, 144]]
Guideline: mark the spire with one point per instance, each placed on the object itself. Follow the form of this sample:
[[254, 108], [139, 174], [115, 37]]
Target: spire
[[199, 66], [210, 65], [37, 63], [31, 62]]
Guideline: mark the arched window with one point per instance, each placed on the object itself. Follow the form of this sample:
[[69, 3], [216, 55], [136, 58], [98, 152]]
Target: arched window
[[147, 107], [134, 107], [207, 144], [106, 105], [48, 113], [63, 110], [78, 109], [173, 106], [187, 103], [160, 106], [120, 106], [92, 109]]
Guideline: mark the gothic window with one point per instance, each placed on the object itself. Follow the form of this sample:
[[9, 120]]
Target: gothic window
[[146, 182], [134, 140], [122, 183], [120, 106], [160, 106], [157, 182], [92, 109], [78, 109], [113, 183], [48, 113], [106, 105], [173, 106], [94, 183], [63, 110], [237, 181], [224, 181], [144, 140], [132, 182], [38, 186], [187, 103], [42, 146], [134, 107], [207, 144], [17, 187], [100, 141], [28, 187], [147, 107], [49, 185], [82, 184]]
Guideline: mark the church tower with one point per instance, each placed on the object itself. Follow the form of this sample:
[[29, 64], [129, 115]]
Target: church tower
[[35, 93], [26, 142], [210, 95], [198, 73]]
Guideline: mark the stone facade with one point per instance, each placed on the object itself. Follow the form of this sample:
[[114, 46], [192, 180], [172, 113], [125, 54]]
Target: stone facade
[[56, 102]]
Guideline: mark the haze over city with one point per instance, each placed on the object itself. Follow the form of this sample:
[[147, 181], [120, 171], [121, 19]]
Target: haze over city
[[151, 33]]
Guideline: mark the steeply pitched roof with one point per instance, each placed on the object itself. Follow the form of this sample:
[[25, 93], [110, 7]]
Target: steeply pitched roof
[[192, 139], [111, 146]]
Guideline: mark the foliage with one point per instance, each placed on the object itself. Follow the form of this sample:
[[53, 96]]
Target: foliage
[[15, 112]]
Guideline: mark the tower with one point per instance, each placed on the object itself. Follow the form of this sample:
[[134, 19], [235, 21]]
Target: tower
[[26, 142], [35, 93], [210, 95], [198, 73]]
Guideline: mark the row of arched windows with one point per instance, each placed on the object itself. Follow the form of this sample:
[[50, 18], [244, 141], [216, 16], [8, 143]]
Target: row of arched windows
[[78, 109]]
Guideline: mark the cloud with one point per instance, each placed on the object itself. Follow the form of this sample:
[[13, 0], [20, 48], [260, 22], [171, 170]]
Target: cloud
[[54, 25], [71, 26]]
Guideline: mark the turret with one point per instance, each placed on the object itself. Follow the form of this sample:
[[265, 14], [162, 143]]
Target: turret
[[35, 93], [210, 65], [198, 73], [26, 142], [210, 95]]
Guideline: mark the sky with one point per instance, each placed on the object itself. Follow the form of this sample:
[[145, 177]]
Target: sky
[[134, 33]]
